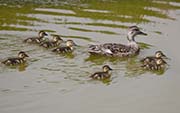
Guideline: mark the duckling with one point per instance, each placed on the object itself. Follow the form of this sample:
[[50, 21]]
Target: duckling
[[149, 59], [105, 74], [157, 64], [56, 41], [38, 39], [67, 49], [119, 50], [16, 60]]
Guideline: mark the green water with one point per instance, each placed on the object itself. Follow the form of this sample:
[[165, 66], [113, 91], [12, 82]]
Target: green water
[[60, 83]]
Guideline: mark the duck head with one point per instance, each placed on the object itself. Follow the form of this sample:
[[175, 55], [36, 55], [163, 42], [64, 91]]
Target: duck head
[[133, 31]]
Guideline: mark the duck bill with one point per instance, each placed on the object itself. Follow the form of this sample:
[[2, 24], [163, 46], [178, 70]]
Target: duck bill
[[141, 33], [110, 69]]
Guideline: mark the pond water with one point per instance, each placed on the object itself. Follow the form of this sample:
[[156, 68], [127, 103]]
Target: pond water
[[60, 83]]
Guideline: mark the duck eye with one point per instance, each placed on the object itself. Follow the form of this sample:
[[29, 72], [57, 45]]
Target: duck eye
[[131, 33]]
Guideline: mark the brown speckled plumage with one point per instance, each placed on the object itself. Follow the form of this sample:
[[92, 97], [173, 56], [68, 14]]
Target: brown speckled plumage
[[119, 50]]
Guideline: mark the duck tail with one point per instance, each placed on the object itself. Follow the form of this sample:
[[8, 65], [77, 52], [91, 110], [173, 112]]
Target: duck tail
[[94, 49]]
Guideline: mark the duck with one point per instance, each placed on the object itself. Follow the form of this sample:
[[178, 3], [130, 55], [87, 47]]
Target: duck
[[157, 64], [149, 59], [119, 50], [56, 41], [38, 39], [105, 74], [16, 60], [65, 49]]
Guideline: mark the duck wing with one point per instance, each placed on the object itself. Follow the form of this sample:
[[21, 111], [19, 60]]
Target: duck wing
[[110, 49]]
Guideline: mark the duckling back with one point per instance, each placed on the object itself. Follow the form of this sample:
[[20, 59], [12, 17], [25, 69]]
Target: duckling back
[[33, 40], [38, 39], [16, 60], [100, 75], [13, 61], [62, 50]]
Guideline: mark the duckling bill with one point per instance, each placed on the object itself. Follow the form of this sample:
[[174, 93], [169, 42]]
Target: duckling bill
[[105, 74], [16, 60]]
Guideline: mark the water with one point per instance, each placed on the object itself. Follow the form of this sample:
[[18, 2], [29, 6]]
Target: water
[[60, 83]]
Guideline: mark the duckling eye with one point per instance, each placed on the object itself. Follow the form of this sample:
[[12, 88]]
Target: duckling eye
[[55, 38], [21, 55], [106, 68], [41, 34], [159, 54]]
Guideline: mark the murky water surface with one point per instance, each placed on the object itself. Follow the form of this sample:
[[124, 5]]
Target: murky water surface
[[60, 83]]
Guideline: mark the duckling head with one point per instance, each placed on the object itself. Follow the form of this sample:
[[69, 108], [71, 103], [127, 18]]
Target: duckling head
[[42, 34], [160, 61], [57, 38], [70, 43], [133, 31], [106, 68], [160, 54], [22, 54]]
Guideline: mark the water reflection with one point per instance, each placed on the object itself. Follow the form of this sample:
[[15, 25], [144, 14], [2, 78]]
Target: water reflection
[[99, 60], [20, 68], [120, 11], [132, 65]]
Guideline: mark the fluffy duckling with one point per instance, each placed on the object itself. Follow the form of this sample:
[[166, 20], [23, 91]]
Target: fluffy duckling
[[16, 60], [105, 74], [67, 49], [38, 39], [157, 64], [149, 59], [56, 41]]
